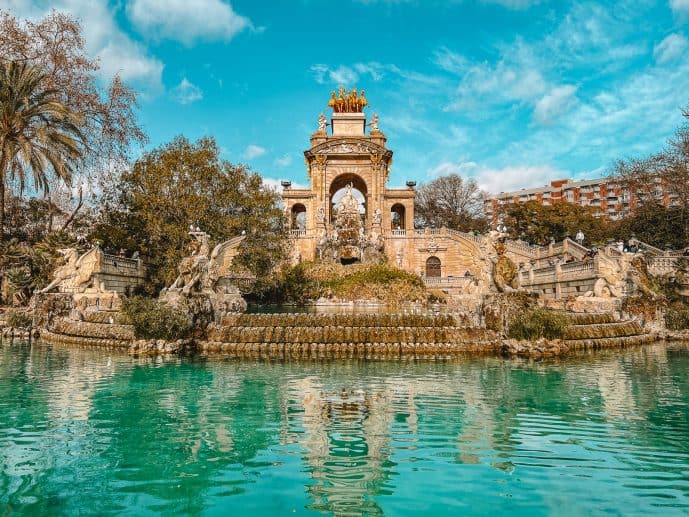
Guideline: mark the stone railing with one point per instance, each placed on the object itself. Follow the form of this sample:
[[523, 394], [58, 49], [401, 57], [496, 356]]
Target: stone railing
[[447, 281], [578, 270], [522, 248], [561, 280], [662, 265], [398, 233], [120, 274], [116, 265], [298, 234], [464, 235]]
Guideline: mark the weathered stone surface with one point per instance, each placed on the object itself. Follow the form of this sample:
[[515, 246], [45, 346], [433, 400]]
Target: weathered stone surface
[[94, 330]]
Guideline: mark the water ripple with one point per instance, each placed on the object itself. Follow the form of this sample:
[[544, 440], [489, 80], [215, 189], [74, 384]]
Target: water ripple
[[91, 432]]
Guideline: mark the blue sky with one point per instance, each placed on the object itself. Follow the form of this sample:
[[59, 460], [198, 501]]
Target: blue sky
[[512, 92]]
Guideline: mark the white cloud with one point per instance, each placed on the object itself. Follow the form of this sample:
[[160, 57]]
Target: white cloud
[[672, 47], [516, 76], [185, 20], [348, 75], [186, 92], [514, 4], [254, 151], [554, 103], [105, 41], [595, 35], [284, 161], [342, 75], [505, 179], [680, 7]]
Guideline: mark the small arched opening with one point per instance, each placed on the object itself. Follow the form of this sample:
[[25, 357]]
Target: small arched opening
[[298, 217], [433, 267], [340, 186], [397, 213]]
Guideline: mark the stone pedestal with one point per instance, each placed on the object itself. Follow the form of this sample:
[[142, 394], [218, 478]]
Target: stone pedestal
[[348, 124]]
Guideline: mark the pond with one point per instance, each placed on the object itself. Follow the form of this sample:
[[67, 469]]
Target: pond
[[90, 432]]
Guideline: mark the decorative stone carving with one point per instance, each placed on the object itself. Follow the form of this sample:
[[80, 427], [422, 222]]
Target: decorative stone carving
[[505, 272], [77, 273], [322, 123], [205, 281], [374, 123], [348, 148], [347, 102], [320, 216], [377, 217]]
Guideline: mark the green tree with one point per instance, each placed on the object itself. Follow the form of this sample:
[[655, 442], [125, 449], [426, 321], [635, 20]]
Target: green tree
[[54, 46], [181, 184], [655, 224], [537, 224], [659, 185], [450, 201], [38, 133]]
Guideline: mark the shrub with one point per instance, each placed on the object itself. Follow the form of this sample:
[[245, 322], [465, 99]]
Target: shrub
[[309, 281], [677, 317], [536, 324], [153, 319], [18, 319]]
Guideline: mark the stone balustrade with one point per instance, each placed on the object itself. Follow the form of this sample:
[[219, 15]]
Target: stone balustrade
[[662, 265], [298, 234], [448, 281]]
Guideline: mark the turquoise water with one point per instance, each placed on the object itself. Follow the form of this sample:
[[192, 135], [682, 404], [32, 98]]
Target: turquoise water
[[85, 432]]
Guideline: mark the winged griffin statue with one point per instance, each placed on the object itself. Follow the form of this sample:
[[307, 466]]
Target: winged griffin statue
[[77, 273], [205, 274]]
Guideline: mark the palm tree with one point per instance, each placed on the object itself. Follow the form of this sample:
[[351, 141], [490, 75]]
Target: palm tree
[[38, 133]]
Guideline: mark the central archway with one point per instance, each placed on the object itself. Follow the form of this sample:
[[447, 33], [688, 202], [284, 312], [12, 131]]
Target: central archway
[[338, 187]]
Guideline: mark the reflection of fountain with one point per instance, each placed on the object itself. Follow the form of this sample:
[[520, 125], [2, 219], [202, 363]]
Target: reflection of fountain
[[346, 445]]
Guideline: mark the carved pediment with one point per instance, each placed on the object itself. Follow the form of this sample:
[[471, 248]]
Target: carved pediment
[[348, 146]]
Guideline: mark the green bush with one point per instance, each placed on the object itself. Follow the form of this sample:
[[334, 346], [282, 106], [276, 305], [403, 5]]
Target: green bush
[[18, 319], [153, 319], [536, 324], [677, 317]]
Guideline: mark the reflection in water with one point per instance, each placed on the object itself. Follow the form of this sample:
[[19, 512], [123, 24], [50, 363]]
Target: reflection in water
[[85, 431]]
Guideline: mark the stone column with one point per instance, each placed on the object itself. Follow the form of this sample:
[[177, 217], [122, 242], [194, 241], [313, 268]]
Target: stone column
[[558, 278]]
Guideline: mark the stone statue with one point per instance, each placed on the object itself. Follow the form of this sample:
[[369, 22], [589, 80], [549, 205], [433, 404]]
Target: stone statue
[[374, 123], [505, 272], [399, 257], [77, 273], [377, 216], [320, 215], [347, 102], [322, 123], [205, 279]]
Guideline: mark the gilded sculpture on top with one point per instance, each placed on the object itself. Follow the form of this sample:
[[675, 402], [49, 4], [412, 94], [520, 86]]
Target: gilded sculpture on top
[[347, 102]]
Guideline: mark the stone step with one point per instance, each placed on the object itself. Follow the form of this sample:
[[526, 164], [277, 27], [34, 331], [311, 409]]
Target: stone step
[[338, 320], [347, 349], [603, 330], [348, 334], [586, 318], [92, 330], [611, 342], [104, 317]]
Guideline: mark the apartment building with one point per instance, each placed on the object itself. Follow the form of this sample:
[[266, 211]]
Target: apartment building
[[607, 195]]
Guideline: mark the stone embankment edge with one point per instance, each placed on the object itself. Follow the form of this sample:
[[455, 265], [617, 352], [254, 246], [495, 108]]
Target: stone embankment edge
[[491, 345]]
